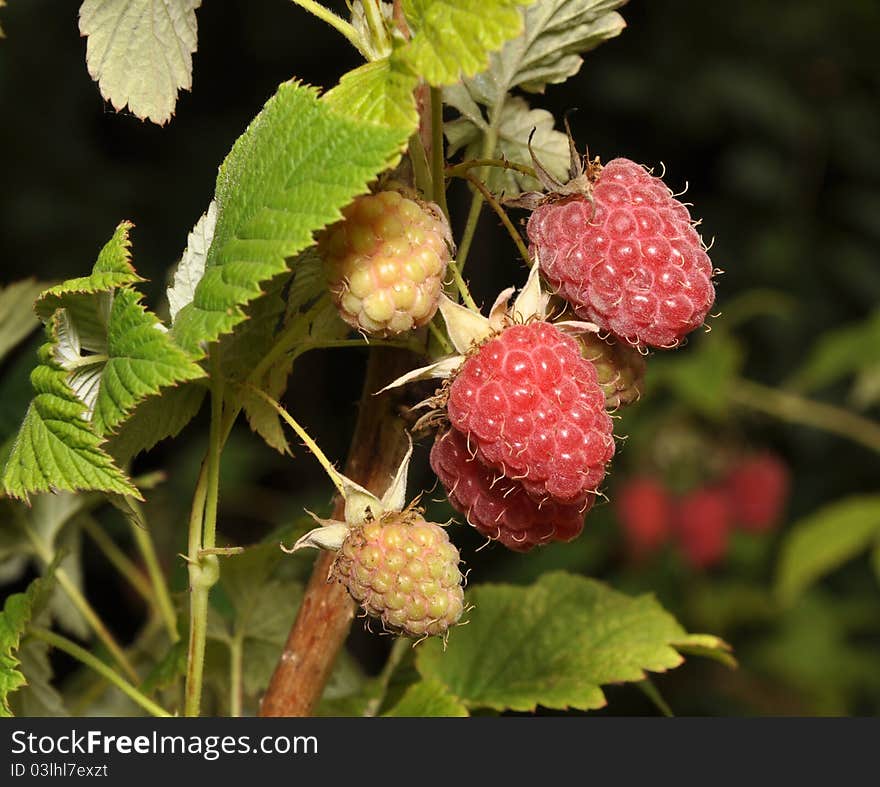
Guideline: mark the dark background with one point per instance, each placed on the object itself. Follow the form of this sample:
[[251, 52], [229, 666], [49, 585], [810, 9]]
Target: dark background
[[768, 111]]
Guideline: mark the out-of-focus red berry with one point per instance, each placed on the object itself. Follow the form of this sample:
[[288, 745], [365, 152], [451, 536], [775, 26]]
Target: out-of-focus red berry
[[702, 523], [758, 489], [644, 510]]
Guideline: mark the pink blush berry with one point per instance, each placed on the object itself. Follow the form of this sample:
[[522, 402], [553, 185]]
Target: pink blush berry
[[533, 410], [499, 508], [627, 257]]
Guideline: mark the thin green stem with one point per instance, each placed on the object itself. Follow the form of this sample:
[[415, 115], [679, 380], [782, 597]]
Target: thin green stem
[[83, 656], [337, 22], [398, 650], [198, 604], [117, 558], [204, 570], [81, 603], [470, 229], [653, 694], [222, 551], [96, 624], [215, 449], [418, 158], [461, 285], [457, 170], [303, 435], [236, 660], [441, 339], [796, 409], [490, 141], [502, 214], [438, 158], [162, 595]]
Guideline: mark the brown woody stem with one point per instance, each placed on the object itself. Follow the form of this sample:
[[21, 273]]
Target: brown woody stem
[[326, 613]]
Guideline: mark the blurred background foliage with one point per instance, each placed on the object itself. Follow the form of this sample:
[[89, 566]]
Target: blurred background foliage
[[769, 115]]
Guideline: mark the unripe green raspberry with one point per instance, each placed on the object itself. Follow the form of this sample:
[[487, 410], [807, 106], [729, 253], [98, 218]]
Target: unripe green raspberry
[[620, 368], [385, 262], [404, 571]]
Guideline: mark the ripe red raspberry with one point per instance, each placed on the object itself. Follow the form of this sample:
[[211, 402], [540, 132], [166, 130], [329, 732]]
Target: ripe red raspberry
[[385, 262], [644, 510], [702, 523], [626, 256], [758, 488], [499, 508], [404, 571], [532, 409], [620, 368]]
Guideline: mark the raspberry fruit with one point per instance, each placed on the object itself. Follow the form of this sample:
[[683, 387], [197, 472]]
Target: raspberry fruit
[[385, 262], [702, 523], [532, 409], [758, 488], [644, 510], [499, 508], [620, 369], [624, 253], [404, 571]]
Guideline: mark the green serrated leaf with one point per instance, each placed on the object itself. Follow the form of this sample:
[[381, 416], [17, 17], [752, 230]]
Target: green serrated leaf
[[140, 52], [568, 636], [379, 92], [141, 360], [825, 540], [514, 129], [839, 353], [708, 646], [56, 448], [428, 698], [113, 269], [288, 176], [191, 267], [452, 38], [17, 318], [156, 419], [310, 318], [168, 670], [261, 609], [39, 698], [556, 34], [17, 613]]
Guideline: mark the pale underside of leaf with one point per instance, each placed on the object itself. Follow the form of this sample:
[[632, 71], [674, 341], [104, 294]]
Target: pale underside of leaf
[[515, 126], [56, 447], [140, 52], [288, 176], [191, 267], [568, 635], [556, 33]]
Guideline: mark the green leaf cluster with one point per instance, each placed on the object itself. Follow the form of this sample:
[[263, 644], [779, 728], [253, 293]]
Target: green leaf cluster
[[104, 354], [552, 644]]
